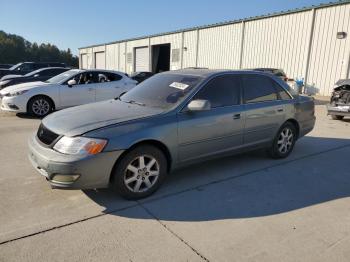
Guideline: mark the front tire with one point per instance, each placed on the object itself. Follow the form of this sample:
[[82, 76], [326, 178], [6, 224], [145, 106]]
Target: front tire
[[40, 106], [284, 141], [140, 172]]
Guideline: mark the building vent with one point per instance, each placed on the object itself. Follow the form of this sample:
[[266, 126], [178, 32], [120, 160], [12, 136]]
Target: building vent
[[175, 55], [129, 58]]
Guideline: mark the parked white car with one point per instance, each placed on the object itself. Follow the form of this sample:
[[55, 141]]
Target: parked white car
[[71, 88]]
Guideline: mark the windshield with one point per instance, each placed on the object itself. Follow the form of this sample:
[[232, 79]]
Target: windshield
[[15, 66], [163, 90], [62, 77], [33, 73]]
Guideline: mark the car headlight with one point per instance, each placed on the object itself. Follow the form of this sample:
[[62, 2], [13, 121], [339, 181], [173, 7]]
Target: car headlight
[[17, 93], [80, 145]]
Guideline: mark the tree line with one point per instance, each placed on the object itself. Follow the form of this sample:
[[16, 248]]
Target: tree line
[[15, 49]]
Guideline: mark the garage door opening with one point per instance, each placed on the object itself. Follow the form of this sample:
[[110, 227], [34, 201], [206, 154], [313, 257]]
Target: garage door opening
[[160, 58]]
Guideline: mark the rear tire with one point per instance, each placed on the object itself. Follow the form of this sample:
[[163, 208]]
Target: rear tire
[[140, 172], [284, 141], [40, 106], [335, 117]]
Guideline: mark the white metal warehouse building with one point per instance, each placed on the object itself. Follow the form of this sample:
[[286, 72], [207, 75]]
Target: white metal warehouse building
[[311, 43]]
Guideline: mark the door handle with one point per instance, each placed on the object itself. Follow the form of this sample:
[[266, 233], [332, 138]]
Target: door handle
[[280, 110], [236, 116], [91, 89]]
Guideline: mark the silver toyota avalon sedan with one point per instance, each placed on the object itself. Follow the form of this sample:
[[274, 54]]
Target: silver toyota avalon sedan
[[171, 120]]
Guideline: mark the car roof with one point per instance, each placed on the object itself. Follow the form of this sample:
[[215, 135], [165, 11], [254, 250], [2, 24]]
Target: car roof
[[100, 70], [212, 72], [47, 68]]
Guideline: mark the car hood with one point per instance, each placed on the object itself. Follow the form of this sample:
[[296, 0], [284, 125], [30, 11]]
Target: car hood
[[8, 77], [4, 70], [342, 82], [23, 86], [81, 119]]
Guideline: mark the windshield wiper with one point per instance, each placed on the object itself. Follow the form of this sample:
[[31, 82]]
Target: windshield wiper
[[118, 97], [134, 102]]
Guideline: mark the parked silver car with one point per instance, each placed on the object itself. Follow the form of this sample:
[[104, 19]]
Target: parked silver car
[[171, 120]]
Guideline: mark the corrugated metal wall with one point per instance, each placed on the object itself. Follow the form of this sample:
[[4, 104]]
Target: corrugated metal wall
[[112, 57], [303, 44], [279, 42], [329, 57], [214, 43]]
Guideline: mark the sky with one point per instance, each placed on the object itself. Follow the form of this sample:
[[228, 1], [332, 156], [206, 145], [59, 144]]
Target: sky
[[78, 23]]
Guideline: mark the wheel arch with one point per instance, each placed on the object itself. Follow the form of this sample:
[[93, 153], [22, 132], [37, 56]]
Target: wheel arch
[[41, 95], [295, 123], [156, 143]]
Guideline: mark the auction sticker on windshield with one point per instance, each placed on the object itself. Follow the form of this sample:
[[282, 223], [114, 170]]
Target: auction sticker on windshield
[[178, 85]]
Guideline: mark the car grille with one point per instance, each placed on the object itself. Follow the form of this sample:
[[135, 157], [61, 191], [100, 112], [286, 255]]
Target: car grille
[[45, 135]]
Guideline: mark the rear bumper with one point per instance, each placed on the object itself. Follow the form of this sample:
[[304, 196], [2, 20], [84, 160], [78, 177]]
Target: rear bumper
[[307, 126], [93, 171], [339, 110]]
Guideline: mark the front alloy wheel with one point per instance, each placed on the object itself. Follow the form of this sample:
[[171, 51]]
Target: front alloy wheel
[[140, 172], [39, 106]]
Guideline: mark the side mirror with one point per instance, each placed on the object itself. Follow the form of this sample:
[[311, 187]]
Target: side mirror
[[71, 83], [198, 105]]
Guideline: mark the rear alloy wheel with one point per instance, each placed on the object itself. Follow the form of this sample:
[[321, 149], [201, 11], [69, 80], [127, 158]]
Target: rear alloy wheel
[[140, 172], [335, 117], [40, 106], [284, 141]]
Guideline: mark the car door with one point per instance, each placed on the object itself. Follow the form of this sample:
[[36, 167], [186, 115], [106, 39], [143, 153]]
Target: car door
[[217, 130], [110, 85], [83, 92], [264, 110]]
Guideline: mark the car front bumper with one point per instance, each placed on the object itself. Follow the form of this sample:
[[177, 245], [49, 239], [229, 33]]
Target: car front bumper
[[92, 171], [14, 104], [343, 110]]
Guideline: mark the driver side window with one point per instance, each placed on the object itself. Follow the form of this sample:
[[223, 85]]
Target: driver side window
[[84, 78], [221, 91]]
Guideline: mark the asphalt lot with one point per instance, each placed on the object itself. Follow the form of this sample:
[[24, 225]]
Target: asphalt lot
[[239, 208]]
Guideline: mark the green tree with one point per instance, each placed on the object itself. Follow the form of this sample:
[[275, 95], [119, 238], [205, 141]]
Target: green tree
[[15, 49]]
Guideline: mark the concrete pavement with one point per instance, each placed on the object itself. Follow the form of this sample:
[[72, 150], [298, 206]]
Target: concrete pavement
[[239, 208]]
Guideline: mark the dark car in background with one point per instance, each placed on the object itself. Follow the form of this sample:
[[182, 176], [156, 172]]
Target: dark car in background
[[37, 75], [27, 67], [141, 76], [275, 71], [339, 106], [5, 66]]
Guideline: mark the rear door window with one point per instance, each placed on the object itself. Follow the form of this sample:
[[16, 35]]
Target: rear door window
[[221, 91], [108, 77], [258, 88]]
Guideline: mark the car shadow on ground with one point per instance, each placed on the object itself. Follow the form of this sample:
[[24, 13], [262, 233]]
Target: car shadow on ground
[[26, 116], [217, 190]]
